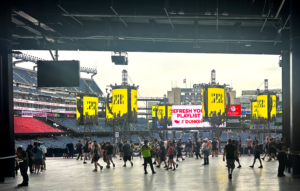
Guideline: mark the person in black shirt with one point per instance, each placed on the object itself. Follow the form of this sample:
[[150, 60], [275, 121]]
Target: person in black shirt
[[230, 157], [236, 152], [108, 154], [86, 151], [23, 165], [71, 149], [197, 149], [282, 158], [96, 156], [30, 157], [162, 154], [79, 149], [179, 148], [257, 155], [214, 148], [272, 149]]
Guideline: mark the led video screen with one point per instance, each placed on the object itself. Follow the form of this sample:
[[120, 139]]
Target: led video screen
[[58, 73]]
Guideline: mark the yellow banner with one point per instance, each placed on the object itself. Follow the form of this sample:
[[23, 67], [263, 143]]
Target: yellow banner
[[262, 106], [203, 110], [120, 103], [215, 102], [254, 110], [154, 107], [161, 114], [78, 108], [134, 104], [274, 107], [90, 109], [169, 115]]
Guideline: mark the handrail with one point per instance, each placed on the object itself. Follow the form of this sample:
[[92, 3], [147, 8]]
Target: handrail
[[8, 157]]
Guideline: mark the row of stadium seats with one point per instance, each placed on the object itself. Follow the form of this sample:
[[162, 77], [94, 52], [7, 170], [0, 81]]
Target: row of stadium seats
[[31, 125], [30, 78]]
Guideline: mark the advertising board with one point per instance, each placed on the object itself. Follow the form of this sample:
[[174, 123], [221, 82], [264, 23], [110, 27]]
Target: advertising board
[[188, 116], [234, 110], [254, 110], [120, 104]]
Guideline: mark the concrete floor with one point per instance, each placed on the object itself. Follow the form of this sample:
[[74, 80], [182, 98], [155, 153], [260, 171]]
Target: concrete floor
[[69, 174]]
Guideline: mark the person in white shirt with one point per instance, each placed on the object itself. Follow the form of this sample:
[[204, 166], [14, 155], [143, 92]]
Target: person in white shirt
[[205, 152]]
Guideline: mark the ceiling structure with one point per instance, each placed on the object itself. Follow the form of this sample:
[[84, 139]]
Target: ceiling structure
[[194, 26]]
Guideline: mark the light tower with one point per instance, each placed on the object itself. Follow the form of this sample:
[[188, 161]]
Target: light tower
[[213, 77], [124, 78]]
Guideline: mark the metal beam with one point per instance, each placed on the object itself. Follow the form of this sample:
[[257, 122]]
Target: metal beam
[[238, 17], [279, 31], [265, 21], [69, 14], [118, 16], [52, 55], [279, 9], [169, 17]]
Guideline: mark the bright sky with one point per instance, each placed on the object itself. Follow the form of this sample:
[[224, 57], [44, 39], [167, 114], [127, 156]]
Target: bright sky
[[155, 72]]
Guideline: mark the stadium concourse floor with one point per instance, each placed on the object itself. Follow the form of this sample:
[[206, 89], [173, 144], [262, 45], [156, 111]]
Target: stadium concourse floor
[[69, 174]]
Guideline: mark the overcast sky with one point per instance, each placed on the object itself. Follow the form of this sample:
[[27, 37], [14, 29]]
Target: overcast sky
[[155, 72]]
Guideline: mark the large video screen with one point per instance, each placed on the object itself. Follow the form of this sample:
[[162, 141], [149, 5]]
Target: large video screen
[[188, 116], [254, 110], [274, 107], [90, 110], [120, 104], [215, 102], [58, 73], [161, 115], [134, 105], [262, 106], [234, 110], [79, 112], [108, 116]]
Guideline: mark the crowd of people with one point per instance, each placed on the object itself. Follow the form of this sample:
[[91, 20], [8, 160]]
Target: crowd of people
[[32, 159], [156, 152]]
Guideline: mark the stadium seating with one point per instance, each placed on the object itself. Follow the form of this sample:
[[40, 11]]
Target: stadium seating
[[31, 125], [30, 78]]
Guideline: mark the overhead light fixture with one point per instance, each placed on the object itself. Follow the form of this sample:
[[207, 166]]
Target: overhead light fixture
[[207, 13], [248, 44], [121, 38], [196, 46], [180, 13]]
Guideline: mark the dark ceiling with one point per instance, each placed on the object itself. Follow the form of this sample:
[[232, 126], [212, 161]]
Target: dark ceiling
[[208, 26]]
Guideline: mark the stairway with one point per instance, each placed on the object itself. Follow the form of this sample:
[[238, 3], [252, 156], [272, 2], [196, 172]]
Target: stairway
[[21, 77], [88, 86]]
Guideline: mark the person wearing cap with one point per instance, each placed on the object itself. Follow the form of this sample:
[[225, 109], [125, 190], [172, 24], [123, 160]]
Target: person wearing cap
[[146, 151]]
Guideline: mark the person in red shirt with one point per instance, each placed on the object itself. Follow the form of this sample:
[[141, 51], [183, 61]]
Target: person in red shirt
[[171, 155]]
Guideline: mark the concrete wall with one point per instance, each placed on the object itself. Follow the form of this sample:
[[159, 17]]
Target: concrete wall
[[177, 95]]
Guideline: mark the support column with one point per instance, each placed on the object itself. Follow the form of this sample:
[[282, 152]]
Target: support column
[[285, 53], [7, 166], [294, 86]]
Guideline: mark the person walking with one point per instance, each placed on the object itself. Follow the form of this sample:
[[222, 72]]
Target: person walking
[[79, 150], [86, 151], [96, 157], [145, 149], [179, 149], [23, 165], [108, 151], [282, 158], [127, 153], [236, 152], [171, 155], [162, 154], [272, 149], [230, 152], [248, 143], [266, 146], [257, 155], [214, 148]]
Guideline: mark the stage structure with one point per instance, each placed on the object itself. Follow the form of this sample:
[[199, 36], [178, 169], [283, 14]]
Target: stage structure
[[121, 107]]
